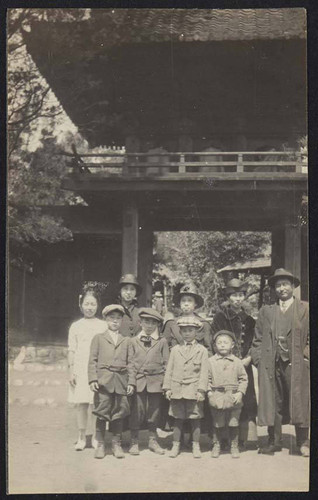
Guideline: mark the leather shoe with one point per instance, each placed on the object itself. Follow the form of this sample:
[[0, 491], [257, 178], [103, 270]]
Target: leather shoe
[[270, 449]]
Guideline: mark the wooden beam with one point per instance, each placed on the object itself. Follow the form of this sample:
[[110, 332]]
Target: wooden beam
[[130, 240], [293, 251], [145, 259]]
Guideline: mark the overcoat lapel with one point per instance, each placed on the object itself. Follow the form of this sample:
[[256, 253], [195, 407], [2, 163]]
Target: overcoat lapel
[[120, 340]]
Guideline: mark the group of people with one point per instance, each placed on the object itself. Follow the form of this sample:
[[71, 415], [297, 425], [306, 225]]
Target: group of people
[[132, 369]]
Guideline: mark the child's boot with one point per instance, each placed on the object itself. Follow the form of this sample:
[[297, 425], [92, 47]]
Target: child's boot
[[196, 452], [155, 446], [116, 447], [234, 442], [100, 451], [175, 450], [134, 446], [216, 450]]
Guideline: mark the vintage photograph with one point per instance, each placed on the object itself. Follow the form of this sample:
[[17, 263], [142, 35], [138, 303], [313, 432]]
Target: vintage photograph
[[158, 320]]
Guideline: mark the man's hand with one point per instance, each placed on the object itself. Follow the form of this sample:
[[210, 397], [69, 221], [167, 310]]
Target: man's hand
[[130, 390], [72, 380], [237, 397], [168, 394], [246, 361], [200, 396], [94, 386]]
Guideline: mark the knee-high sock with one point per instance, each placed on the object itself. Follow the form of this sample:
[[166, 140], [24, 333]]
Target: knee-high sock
[[177, 429]]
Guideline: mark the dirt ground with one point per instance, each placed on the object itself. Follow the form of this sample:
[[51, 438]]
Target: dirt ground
[[41, 457]]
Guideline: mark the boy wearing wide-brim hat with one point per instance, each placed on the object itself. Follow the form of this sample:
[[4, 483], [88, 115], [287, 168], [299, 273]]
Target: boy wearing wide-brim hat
[[188, 300], [185, 383], [148, 357], [108, 378], [280, 351], [129, 290], [227, 385], [233, 317]]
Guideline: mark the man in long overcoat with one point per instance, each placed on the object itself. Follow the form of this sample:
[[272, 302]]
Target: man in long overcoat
[[280, 351]]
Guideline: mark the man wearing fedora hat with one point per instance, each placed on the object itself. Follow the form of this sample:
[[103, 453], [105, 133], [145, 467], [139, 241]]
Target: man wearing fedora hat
[[129, 290], [232, 317], [188, 300], [280, 351]]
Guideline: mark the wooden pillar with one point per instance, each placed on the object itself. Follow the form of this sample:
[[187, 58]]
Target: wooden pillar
[[277, 255], [304, 287], [145, 260], [278, 248], [293, 251], [130, 239]]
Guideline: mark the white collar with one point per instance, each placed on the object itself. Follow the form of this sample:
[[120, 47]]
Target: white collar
[[287, 303], [154, 335], [192, 342]]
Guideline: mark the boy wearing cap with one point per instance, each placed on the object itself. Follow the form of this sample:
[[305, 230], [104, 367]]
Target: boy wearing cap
[[148, 357], [129, 290], [186, 382], [232, 317], [108, 378], [227, 385], [189, 300]]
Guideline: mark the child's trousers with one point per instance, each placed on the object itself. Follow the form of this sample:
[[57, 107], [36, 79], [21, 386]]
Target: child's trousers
[[145, 407]]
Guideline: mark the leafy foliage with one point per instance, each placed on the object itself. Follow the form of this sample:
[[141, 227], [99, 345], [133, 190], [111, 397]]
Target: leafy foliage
[[34, 178], [196, 257]]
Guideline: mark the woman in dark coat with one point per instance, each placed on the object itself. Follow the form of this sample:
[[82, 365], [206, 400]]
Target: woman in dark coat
[[232, 317], [128, 293]]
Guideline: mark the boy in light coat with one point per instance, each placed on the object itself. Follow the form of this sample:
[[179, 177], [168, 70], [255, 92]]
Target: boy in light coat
[[185, 384]]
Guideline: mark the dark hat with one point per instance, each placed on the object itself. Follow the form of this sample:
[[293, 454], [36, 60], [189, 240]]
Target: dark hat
[[234, 286], [192, 291], [111, 308], [130, 279], [280, 274], [189, 321], [224, 332], [148, 312]]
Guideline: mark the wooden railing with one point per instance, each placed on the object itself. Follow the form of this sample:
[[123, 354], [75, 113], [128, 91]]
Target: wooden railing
[[119, 163]]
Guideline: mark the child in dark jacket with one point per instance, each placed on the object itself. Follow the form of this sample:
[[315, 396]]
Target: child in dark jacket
[[148, 357], [227, 385], [108, 378]]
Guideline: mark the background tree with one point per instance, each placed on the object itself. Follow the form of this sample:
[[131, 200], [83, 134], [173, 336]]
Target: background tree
[[35, 169], [196, 256]]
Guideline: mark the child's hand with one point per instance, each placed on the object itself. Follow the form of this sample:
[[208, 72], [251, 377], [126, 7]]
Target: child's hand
[[237, 397], [72, 380], [130, 390], [200, 396], [94, 386], [168, 394]]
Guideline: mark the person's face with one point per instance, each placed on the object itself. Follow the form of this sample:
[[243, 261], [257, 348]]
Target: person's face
[[224, 345], [89, 306], [128, 293], [148, 325], [284, 289], [187, 303], [188, 333], [236, 299], [114, 320]]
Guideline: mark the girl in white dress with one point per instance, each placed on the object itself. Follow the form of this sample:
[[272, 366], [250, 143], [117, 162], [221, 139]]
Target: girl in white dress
[[80, 336]]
